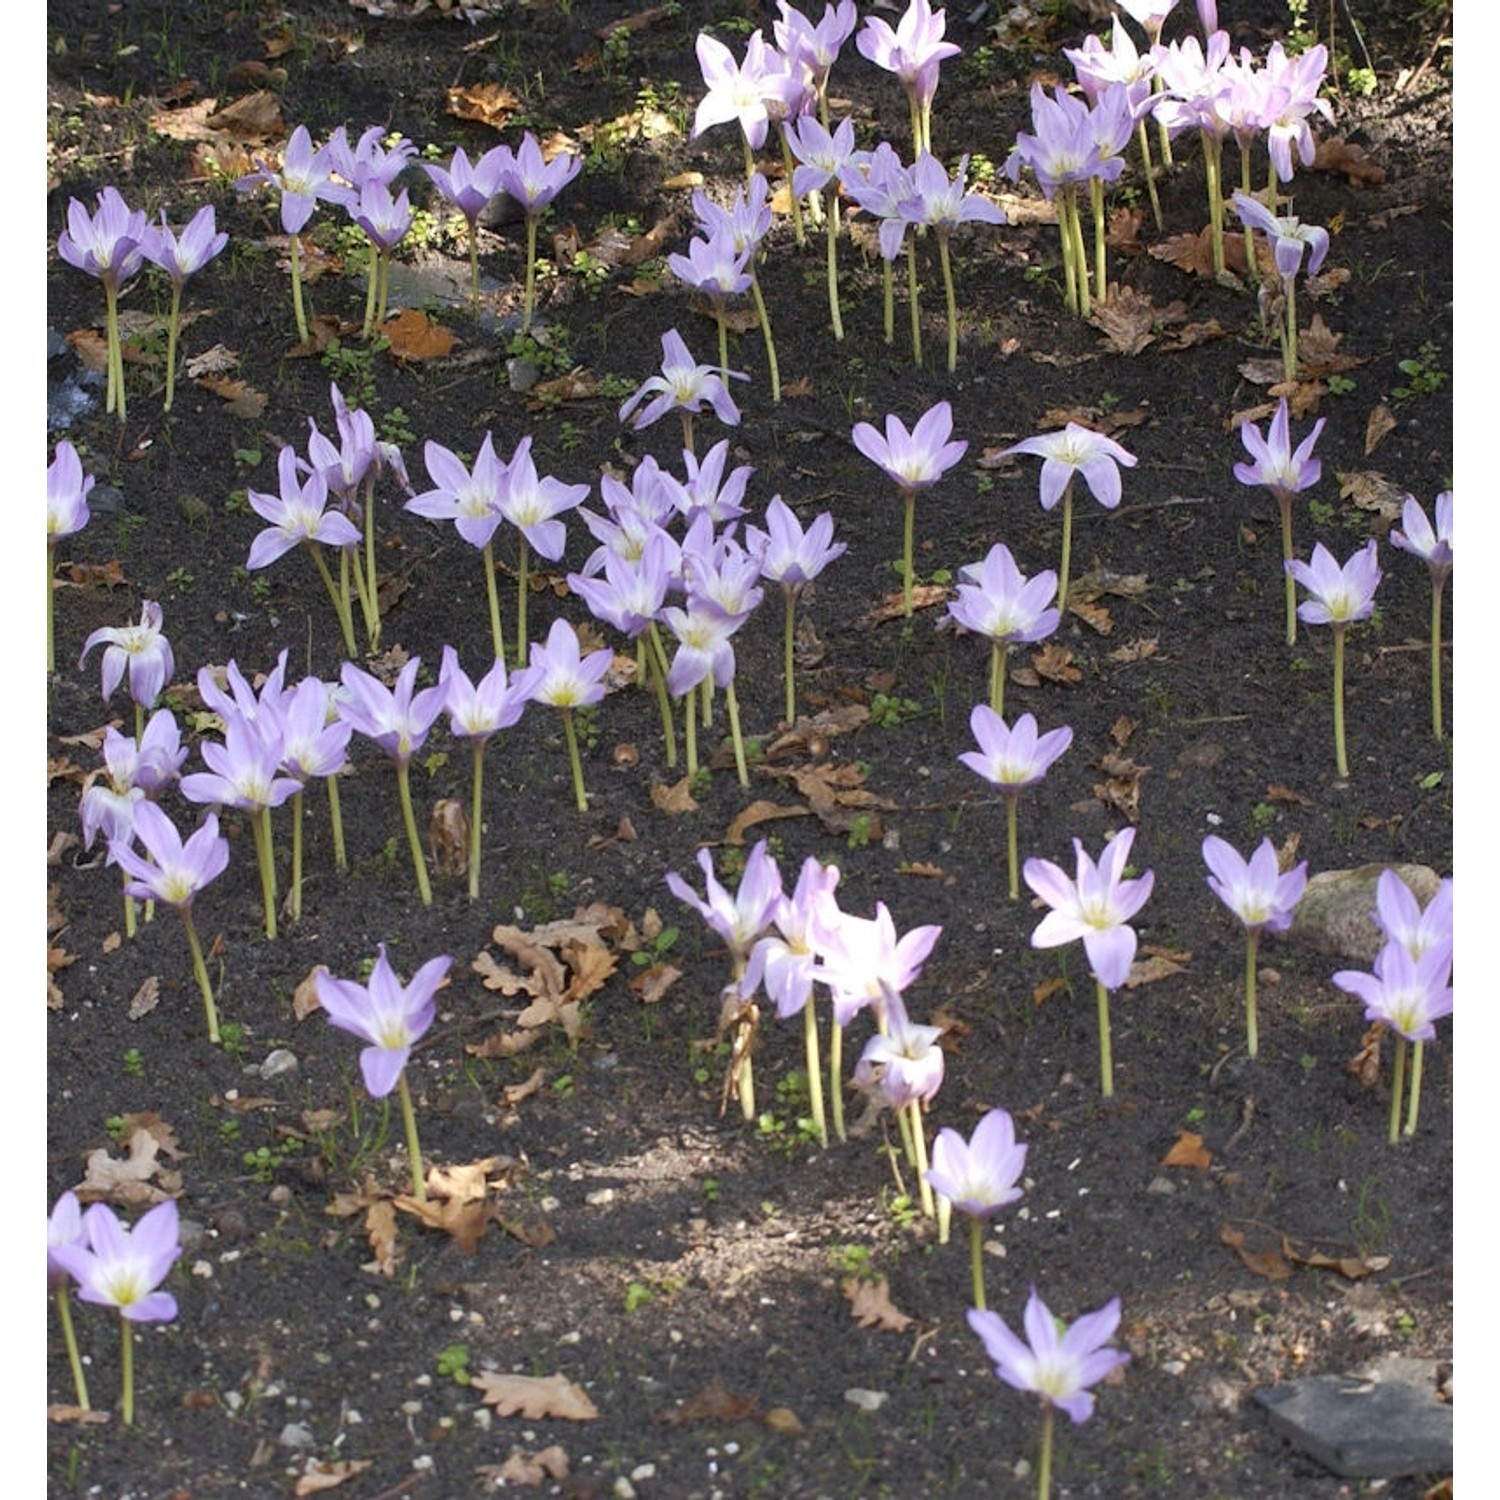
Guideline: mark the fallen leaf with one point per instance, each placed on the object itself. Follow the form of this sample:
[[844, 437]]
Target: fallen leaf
[[514, 1093], [1155, 965], [1047, 989], [1121, 730], [535, 1397], [145, 999], [1190, 335], [187, 123], [1275, 792], [215, 361], [256, 117], [530, 1469], [923, 868], [465, 1221], [1136, 650], [784, 1419], [892, 606], [240, 399], [127, 1181], [380, 1231], [503, 1044], [319, 1476], [591, 962], [448, 837], [1055, 663], [870, 1302], [1365, 1064], [684, 180], [1127, 320], [467, 1183], [84, 1416], [674, 799], [490, 103], [1378, 426], [578, 384], [760, 811], [1121, 788], [652, 983], [1188, 1151], [1354, 162], [1095, 616], [714, 1403], [305, 997], [1267, 1263], [1350, 1267], [1194, 253], [414, 336], [1373, 491]]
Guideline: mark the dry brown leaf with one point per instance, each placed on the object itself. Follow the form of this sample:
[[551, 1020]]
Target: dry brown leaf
[[1047, 989], [674, 799], [530, 1469], [760, 811], [1378, 426], [784, 1419], [256, 117], [801, 386], [1095, 616], [413, 335], [870, 1302], [467, 1183], [892, 607], [188, 123], [1350, 1267], [1194, 253], [923, 868], [240, 399], [504, 1044], [683, 180], [380, 1230], [1338, 155], [714, 1403], [1121, 730], [84, 1416], [514, 1093], [1371, 490], [1124, 230], [578, 384], [1055, 663], [1121, 787], [127, 1181], [448, 837], [1275, 792], [592, 964], [537, 1398], [319, 1476], [465, 1221], [652, 983], [1365, 1064], [1267, 1263], [1136, 650], [1127, 320], [1190, 335], [305, 997], [1156, 963], [490, 103], [1188, 1151], [145, 999]]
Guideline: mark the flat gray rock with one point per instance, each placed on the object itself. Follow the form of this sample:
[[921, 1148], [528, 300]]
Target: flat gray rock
[[1380, 1426], [1336, 915]]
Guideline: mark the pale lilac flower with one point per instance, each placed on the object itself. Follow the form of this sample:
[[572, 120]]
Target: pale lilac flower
[[908, 1054], [861, 957], [398, 719], [181, 258], [704, 645], [746, 221], [785, 960], [133, 771], [1062, 150], [1290, 237], [534, 182], [715, 266], [67, 493], [942, 202], [175, 871], [706, 489], [917, 458], [1255, 890], [1191, 74], [996, 600], [124, 1268], [815, 48], [1403, 921], [1432, 543], [470, 500], [1405, 993], [1096, 907], [914, 51], [682, 386], [1299, 82], [789, 555], [1275, 465], [739, 919], [532, 503], [1149, 13], [1059, 1369], [64, 1227], [564, 677], [305, 178], [1097, 66], [877, 182], [821, 156], [1340, 595], [390, 1016], [476, 711], [312, 744], [1077, 450], [299, 514], [746, 92], [107, 244], [983, 1174], [632, 590], [471, 187], [243, 770], [385, 220], [1012, 759], [369, 159], [142, 648]]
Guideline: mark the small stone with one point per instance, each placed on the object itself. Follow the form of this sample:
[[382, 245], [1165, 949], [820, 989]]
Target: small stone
[[1161, 1187], [600, 1197], [297, 1435], [866, 1400], [643, 1471], [279, 1064], [624, 1489], [1172, 1367]]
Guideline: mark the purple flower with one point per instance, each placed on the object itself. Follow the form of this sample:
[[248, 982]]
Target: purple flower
[[746, 91], [996, 600], [705, 488], [1405, 993], [1433, 544], [814, 48], [704, 646], [941, 202], [913, 51], [384, 219], [533, 182], [181, 258], [1096, 907], [632, 591], [1255, 890], [682, 386], [1058, 1369], [306, 176], [785, 960], [476, 711], [133, 771], [1077, 450], [1012, 759], [390, 1016], [908, 1055], [917, 458], [398, 720], [1299, 82], [821, 156], [789, 555], [67, 493], [1062, 151], [470, 188], [1275, 465], [980, 1175], [369, 160], [243, 771], [299, 514], [124, 1267], [1340, 595], [142, 648], [107, 244], [715, 266], [1289, 237], [561, 675], [1414, 927], [861, 958], [64, 1227], [532, 504], [312, 744], [739, 919], [175, 872], [470, 501]]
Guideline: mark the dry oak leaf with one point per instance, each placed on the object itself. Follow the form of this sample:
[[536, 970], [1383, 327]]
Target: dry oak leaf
[[448, 837], [870, 1302], [652, 983], [1338, 155], [578, 384], [1055, 663], [468, 1183], [514, 1093], [1136, 650], [489, 103], [1155, 963], [1365, 1064], [380, 1230], [674, 799], [127, 1181], [319, 1476], [760, 811], [1127, 320], [240, 399], [714, 1403], [145, 999], [1095, 616], [188, 123], [892, 606], [305, 997], [1188, 1151], [1371, 490], [1350, 1267], [256, 117], [466, 1221], [1378, 426], [530, 1469], [534, 1397], [1194, 253], [413, 335], [1267, 1263]]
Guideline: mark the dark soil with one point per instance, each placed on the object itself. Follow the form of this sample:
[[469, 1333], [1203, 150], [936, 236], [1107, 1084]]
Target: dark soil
[[682, 1267]]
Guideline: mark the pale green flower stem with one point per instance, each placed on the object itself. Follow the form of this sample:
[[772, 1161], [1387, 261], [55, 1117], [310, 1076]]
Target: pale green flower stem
[[384, 271], [492, 593], [976, 1259], [1252, 271], [814, 1071], [1289, 343], [1340, 755], [687, 430], [340, 604], [999, 650], [372, 278], [1285, 502], [789, 167], [1398, 1080], [1414, 1090], [732, 703], [1106, 1059], [1067, 549], [1044, 1462], [1011, 853], [706, 698], [372, 584], [658, 670], [260, 826], [174, 318], [127, 1372], [294, 895], [1065, 241], [129, 907], [946, 262], [1435, 665], [788, 654], [413, 1145], [1158, 86], [200, 973], [1252, 1034], [723, 339], [765, 330], [70, 1341], [474, 268], [51, 649], [297, 308], [474, 820], [749, 161], [836, 1078], [523, 587], [1148, 171], [907, 562], [580, 797], [911, 297], [336, 822], [528, 302], [888, 282], [690, 729], [116, 382], [1101, 235], [1213, 161], [409, 818], [919, 1149], [832, 225], [1080, 254]]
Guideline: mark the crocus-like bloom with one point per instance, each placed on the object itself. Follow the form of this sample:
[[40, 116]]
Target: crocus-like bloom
[[1415, 927], [1012, 759], [815, 48], [704, 645], [995, 599], [306, 176], [369, 159], [1340, 595], [478, 710], [470, 187], [533, 182], [1149, 13], [143, 648], [909, 1054], [980, 1175], [917, 458], [243, 772], [64, 1227], [470, 500], [789, 555], [398, 719], [942, 202], [563, 676], [1275, 465], [1062, 151], [861, 957], [390, 1016], [1255, 890], [741, 91], [312, 744], [683, 385], [1096, 907], [821, 155], [705, 488], [784, 960], [1077, 450], [124, 1267], [67, 493], [1059, 1369], [107, 244], [1433, 544], [715, 266], [181, 258], [1408, 994], [175, 872], [914, 51], [532, 503], [739, 919], [383, 218], [299, 514], [1290, 238], [133, 771]]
